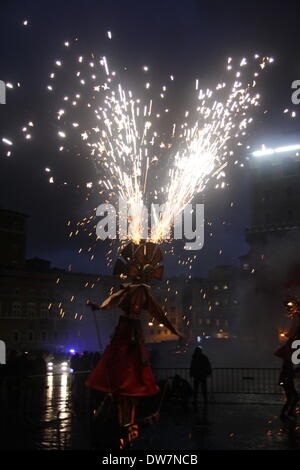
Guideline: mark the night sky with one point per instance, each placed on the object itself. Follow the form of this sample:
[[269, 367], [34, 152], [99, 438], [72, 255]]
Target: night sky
[[190, 39]]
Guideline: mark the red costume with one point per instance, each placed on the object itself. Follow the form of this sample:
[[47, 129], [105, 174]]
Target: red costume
[[124, 368]]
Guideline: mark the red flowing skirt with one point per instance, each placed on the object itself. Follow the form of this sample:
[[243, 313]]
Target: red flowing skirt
[[124, 368]]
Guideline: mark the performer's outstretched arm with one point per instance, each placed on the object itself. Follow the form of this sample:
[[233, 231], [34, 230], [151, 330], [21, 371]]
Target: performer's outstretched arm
[[94, 306], [112, 301]]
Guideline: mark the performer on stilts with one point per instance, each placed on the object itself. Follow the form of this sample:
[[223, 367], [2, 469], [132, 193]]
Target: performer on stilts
[[124, 371]]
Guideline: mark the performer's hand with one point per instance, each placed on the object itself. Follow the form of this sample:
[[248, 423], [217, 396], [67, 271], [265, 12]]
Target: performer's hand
[[93, 305]]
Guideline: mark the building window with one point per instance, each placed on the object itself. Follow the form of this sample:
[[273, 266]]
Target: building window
[[44, 310], [16, 309], [31, 309], [52, 312], [16, 336], [30, 336]]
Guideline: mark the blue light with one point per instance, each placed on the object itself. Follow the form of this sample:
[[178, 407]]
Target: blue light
[[72, 351]]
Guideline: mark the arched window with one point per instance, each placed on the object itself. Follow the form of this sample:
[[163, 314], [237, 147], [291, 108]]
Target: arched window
[[43, 335], [16, 336], [44, 310], [31, 309], [16, 309], [30, 336]]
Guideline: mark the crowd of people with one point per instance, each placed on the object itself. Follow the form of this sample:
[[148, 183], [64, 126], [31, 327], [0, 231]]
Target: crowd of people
[[32, 363], [84, 362], [23, 364]]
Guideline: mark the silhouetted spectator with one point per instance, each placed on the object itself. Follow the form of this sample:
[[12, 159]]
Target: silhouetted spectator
[[40, 366], [200, 370], [85, 361], [286, 380], [75, 362]]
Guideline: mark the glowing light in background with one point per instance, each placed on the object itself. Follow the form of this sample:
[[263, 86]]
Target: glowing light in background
[[269, 151]]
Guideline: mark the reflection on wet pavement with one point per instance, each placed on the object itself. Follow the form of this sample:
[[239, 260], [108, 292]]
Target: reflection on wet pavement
[[55, 412], [36, 412]]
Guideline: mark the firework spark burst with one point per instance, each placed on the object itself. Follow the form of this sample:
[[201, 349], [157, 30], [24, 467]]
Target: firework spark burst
[[221, 120], [124, 137], [123, 133]]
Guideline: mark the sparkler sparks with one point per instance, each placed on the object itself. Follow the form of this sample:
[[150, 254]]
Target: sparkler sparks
[[7, 141], [205, 151], [124, 137], [126, 142]]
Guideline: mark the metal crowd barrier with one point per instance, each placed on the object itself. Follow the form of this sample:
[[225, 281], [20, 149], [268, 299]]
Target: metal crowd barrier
[[232, 380]]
